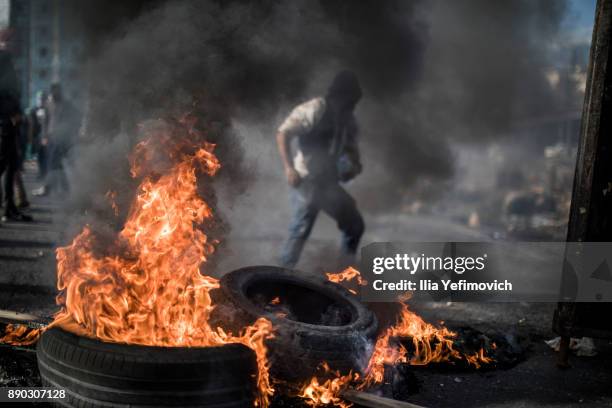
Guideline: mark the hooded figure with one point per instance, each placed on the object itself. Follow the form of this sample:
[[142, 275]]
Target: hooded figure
[[323, 131]]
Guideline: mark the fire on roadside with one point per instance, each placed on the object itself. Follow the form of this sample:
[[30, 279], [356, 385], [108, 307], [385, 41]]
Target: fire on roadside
[[479, 357], [347, 275], [430, 344], [20, 335], [319, 392], [146, 287]]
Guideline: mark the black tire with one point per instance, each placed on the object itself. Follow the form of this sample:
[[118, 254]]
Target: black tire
[[100, 374], [299, 347]]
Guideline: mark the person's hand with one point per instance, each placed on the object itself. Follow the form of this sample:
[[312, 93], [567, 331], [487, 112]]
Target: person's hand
[[293, 177]]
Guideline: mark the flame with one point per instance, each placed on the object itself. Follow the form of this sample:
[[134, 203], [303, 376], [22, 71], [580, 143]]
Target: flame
[[317, 392], [478, 358], [20, 335], [431, 345], [254, 337], [112, 197], [146, 287], [275, 301], [347, 275]]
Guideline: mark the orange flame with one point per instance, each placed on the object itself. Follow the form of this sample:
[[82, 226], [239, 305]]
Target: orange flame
[[478, 358], [318, 392], [431, 345], [20, 335], [112, 197], [347, 275], [146, 288]]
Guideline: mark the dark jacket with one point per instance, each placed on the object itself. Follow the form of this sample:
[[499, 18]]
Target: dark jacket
[[9, 86], [8, 142]]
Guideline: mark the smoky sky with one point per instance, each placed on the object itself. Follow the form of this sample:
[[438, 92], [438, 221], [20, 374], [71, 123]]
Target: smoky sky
[[433, 73]]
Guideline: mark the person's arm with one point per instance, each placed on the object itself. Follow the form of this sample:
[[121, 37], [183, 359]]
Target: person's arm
[[299, 122], [283, 142]]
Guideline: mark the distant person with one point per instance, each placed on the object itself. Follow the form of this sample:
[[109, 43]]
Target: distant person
[[62, 132], [22, 150], [326, 154], [10, 117], [38, 119]]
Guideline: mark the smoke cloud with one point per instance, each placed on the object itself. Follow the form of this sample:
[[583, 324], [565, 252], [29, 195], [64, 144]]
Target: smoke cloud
[[433, 73]]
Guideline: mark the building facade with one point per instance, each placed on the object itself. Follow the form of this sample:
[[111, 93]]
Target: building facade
[[48, 48]]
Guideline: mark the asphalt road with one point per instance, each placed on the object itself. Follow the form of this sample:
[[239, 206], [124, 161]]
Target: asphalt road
[[27, 270], [27, 248]]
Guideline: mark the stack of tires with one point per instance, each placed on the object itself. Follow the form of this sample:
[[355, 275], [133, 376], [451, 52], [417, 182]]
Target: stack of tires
[[111, 375]]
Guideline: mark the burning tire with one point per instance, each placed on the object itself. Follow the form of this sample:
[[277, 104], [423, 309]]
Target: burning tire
[[314, 320], [99, 374]]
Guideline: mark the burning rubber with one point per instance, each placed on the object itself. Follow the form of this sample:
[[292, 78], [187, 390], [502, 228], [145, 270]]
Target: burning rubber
[[137, 307], [141, 324], [315, 320]]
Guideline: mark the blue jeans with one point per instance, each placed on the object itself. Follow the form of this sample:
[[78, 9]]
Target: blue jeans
[[306, 201]]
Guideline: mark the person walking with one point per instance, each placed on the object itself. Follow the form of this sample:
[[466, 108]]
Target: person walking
[[60, 136], [325, 132], [38, 119], [10, 118]]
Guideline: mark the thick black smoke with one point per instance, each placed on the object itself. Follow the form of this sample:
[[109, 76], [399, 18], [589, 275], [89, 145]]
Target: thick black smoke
[[433, 73]]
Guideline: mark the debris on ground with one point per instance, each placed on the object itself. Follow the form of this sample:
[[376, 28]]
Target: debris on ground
[[582, 347]]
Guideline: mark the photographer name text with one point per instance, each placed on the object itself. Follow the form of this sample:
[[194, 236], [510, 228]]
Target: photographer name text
[[412, 264]]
